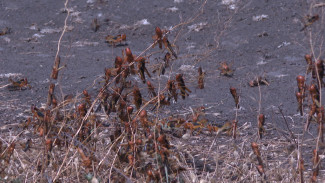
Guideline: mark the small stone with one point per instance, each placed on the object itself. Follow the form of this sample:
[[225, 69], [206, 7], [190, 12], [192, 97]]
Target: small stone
[[186, 136]]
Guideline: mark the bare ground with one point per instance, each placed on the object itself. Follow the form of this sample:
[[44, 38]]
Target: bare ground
[[256, 38]]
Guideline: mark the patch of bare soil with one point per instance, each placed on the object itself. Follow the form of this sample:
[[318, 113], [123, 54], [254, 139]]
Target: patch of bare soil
[[168, 91]]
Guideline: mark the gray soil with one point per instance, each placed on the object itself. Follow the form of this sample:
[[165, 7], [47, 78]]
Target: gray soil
[[207, 34]]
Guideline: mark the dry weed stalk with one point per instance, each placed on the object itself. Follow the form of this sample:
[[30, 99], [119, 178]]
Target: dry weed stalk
[[55, 69], [316, 161], [301, 169], [299, 98], [234, 129]]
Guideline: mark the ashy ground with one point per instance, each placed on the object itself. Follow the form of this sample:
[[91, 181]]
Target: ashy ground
[[254, 37]]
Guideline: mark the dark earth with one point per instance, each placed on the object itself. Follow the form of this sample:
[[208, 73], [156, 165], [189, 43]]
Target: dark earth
[[255, 37]]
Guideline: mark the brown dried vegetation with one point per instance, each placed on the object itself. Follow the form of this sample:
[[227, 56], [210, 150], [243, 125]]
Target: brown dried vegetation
[[103, 135]]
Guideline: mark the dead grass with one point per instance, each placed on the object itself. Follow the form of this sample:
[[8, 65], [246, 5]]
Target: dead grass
[[107, 137]]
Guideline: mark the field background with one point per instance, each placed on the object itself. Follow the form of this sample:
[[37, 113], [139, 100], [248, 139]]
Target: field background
[[255, 37]]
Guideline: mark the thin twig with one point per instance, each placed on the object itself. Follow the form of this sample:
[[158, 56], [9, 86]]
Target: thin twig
[[287, 125], [319, 5]]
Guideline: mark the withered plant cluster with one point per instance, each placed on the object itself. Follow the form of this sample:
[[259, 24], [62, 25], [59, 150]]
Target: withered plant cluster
[[114, 134], [309, 96]]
